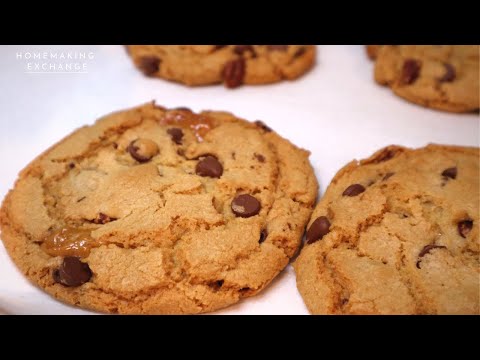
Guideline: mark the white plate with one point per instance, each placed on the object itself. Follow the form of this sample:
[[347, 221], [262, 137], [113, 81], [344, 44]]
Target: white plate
[[336, 111]]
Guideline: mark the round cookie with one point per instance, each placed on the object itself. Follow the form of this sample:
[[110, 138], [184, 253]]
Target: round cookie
[[443, 77], [152, 210], [397, 233], [233, 65]]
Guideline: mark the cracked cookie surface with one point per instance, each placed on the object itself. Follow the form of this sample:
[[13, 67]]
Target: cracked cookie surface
[[152, 210], [233, 65], [397, 233], [444, 77]]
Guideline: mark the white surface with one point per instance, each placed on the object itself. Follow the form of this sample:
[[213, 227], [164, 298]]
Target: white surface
[[336, 111]]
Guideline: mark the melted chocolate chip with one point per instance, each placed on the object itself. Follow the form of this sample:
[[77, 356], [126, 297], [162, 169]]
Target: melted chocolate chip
[[260, 157], [385, 155], [300, 52], [234, 72], [263, 126], [72, 272], [353, 190], [209, 166], [216, 285], [319, 228], [245, 206], [182, 108], [426, 249], [344, 302], [149, 65], [176, 134], [450, 73], [244, 291], [143, 150], [450, 173], [263, 236], [464, 227], [410, 71]]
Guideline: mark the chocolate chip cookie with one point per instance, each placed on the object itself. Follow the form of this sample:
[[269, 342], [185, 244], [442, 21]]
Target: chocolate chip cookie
[[397, 233], [443, 77], [232, 65], [152, 210]]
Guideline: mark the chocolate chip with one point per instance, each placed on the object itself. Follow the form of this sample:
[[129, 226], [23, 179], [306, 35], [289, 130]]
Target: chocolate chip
[[72, 272], [410, 71], [149, 65], [319, 228], [143, 150], [277, 47], [234, 72], [240, 49], [115, 145], [176, 135], [426, 249], [245, 206], [263, 236], [300, 52], [385, 155], [263, 126], [103, 219], [245, 291], [209, 166], [260, 157], [182, 108], [216, 285], [71, 165], [353, 190], [388, 176], [464, 227], [450, 73], [450, 173]]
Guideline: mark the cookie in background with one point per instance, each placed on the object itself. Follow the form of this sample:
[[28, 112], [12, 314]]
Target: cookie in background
[[232, 65], [443, 77]]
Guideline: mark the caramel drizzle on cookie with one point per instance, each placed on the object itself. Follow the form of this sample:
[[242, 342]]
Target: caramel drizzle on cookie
[[69, 241], [199, 124]]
